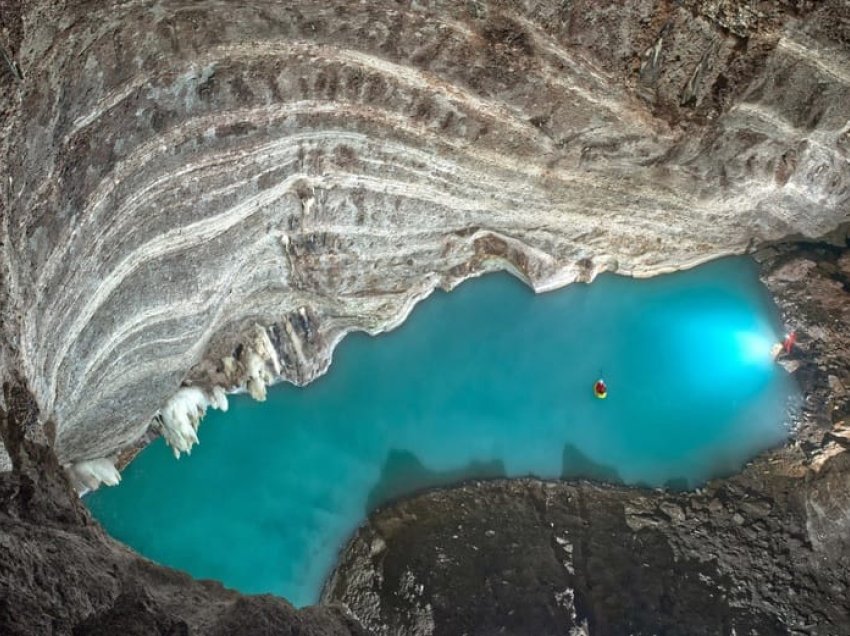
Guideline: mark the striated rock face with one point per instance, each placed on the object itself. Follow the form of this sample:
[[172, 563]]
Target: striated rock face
[[763, 552], [177, 172], [199, 196]]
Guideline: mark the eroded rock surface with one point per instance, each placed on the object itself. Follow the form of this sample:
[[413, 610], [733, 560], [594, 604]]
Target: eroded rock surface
[[527, 557], [763, 552], [176, 172]]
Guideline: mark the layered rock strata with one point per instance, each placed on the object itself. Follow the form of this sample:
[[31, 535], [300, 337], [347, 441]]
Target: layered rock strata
[[763, 552], [200, 196], [207, 194]]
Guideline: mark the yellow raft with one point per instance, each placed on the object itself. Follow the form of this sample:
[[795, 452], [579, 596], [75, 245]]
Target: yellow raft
[[600, 390]]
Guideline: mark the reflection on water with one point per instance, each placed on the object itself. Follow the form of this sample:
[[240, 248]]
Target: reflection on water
[[403, 474], [577, 465], [483, 382]]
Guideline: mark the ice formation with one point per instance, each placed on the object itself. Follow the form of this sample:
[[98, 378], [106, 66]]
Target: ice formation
[[180, 417], [90, 474], [218, 400], [257, 358], [258, 375]]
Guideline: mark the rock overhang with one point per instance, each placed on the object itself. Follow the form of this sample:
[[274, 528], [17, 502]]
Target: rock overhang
[[181, 173]]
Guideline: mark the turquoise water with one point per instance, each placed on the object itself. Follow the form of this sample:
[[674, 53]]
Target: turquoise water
[[488, 380]]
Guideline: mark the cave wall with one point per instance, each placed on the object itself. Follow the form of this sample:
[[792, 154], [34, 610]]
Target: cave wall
[[177, 172]]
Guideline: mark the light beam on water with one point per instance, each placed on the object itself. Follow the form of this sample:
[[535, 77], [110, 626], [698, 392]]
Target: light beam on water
[[486, 381]]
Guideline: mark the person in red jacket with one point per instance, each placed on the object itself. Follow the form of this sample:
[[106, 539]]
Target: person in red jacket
[[600, 389], [790, 341]]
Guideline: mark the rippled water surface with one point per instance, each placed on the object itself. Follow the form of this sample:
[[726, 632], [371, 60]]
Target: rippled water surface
[[488, 380]]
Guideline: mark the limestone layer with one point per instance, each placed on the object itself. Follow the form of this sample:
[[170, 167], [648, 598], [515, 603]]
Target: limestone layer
[[205, 193]]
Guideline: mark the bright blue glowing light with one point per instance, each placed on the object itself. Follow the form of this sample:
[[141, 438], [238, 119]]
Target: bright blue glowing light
[[755, 347]]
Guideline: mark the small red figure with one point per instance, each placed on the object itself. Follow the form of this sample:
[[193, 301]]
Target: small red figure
[[790, 341], [600, 389]]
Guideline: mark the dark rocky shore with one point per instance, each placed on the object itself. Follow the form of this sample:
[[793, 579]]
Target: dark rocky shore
[[766, 551]]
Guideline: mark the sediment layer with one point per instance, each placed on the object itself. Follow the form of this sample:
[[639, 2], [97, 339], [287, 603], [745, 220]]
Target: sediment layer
[[200, 196], [178, 173]]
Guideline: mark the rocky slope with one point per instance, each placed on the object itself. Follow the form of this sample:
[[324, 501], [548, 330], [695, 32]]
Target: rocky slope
[[206, 193], [763, 552]]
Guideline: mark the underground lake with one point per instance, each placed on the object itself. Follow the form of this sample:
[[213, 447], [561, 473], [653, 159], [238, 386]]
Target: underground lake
[[489, 380]]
